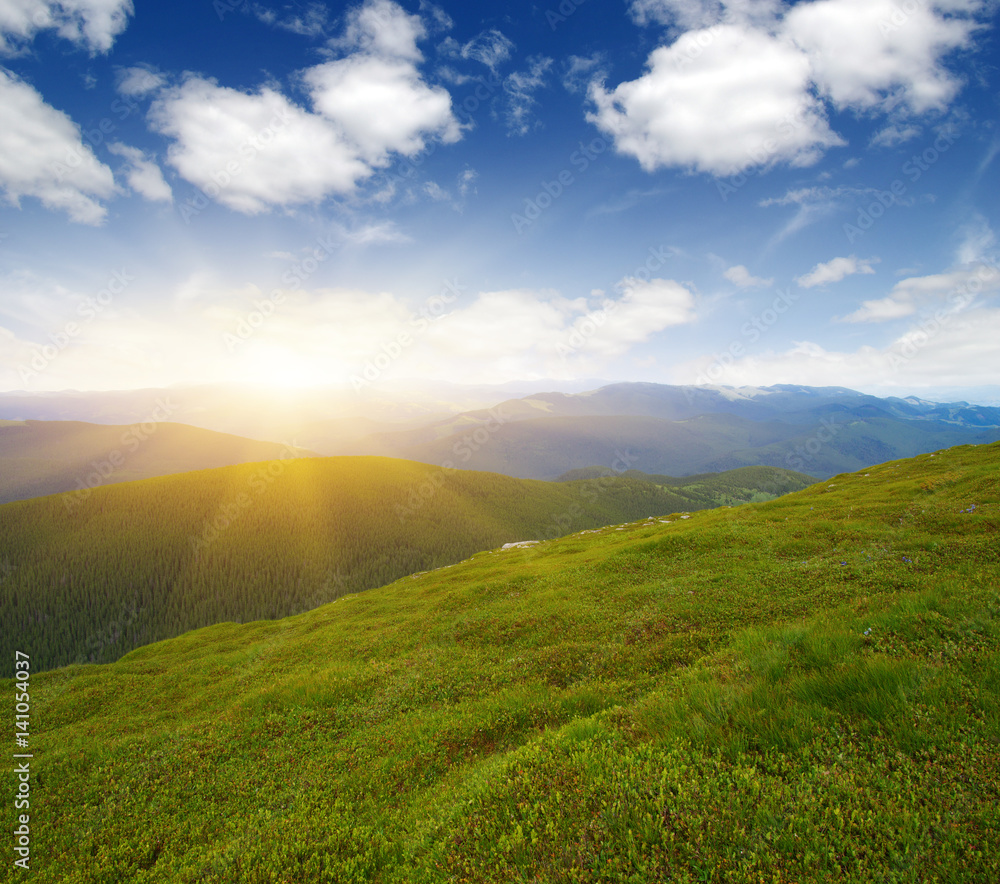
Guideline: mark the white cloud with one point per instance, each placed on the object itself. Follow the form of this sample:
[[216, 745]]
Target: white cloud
[[143, 174], [139, 80], [381, 105], [954, 291], [467, 182], [645, 308], [957, 350], [894, 134], [881, 310], [42, 156], [490, 48], [737, 99], [440, 20], [518, 332], [685, 14], [835, 270], [436, 192], [742, 278], [90, 23], [693, 14], [251, 151], [978, 241], [308, 21], [580, 69], [332, 333], [867, 53], [382, 27], [378, 233], [519, 89], [940, 285], [743, 84]]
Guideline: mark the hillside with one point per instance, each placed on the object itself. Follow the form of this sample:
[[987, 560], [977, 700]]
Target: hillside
[[143, 561], [703, 491], [50, 457], [802, 690]]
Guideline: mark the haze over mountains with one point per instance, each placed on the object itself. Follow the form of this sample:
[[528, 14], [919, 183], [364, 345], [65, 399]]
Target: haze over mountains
[[671, 430], [48, 457]]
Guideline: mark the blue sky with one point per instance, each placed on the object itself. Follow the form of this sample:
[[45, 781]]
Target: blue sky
[[680, 191]]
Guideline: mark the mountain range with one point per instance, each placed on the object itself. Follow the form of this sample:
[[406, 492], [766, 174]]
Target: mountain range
[[661, 429]]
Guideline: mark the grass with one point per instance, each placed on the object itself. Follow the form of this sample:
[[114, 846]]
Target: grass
[[802, 690]]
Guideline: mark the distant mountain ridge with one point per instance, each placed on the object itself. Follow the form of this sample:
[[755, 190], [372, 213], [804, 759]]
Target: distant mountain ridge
[[684, 430], [790, 402], [673, 430]]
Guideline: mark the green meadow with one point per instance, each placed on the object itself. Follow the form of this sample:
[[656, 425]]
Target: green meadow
[[800, 690]]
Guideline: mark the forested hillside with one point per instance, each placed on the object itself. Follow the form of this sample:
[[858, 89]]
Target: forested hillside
[[705, 490], [139, 562]]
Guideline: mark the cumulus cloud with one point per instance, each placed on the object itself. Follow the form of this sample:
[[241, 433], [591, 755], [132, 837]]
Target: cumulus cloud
[[252, 151], [738, 98], [139, 80], [835, 270], [868, 53], [381, 105], [382, 27], [255, 150], [93, 24], [745, 84], [742, 278], [43, 156], [143, 174]]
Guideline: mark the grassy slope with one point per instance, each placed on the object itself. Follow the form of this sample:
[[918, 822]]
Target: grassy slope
[[50, 457], [144, 561], [802, 690]]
